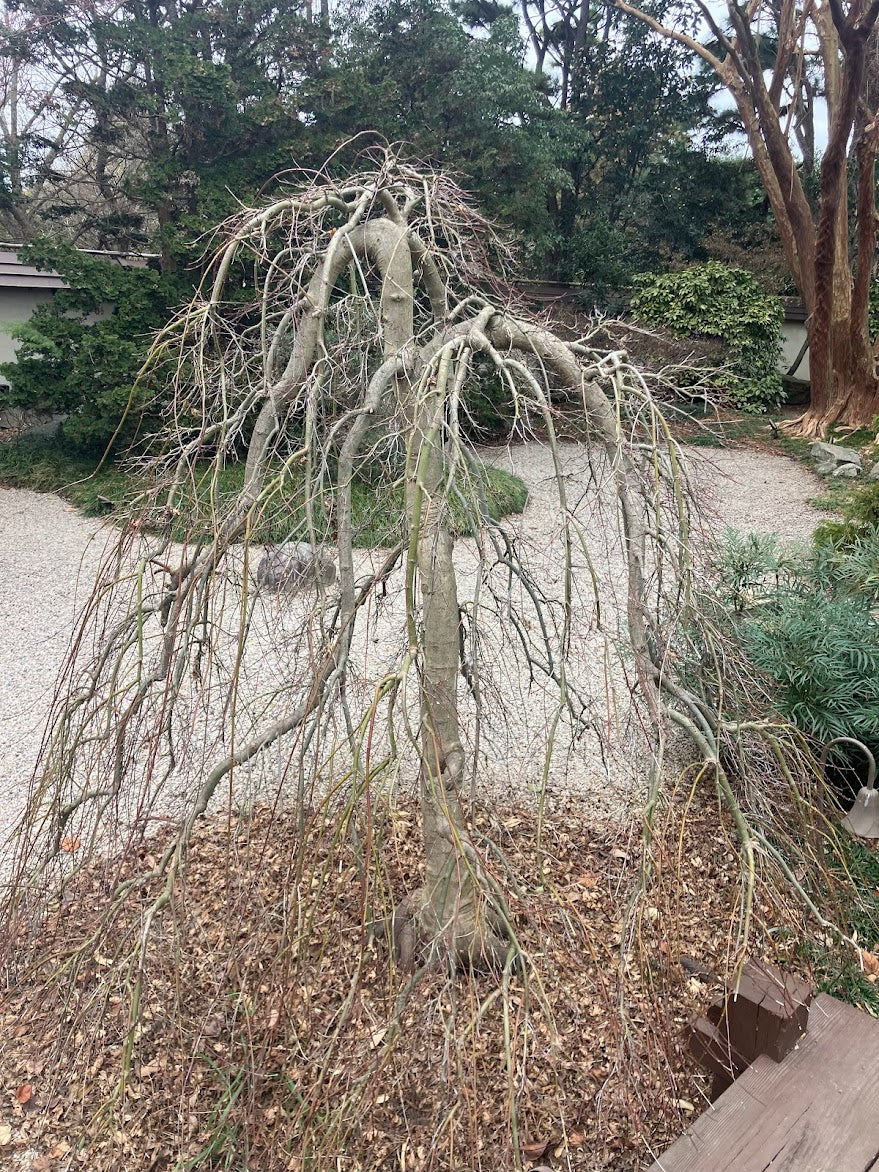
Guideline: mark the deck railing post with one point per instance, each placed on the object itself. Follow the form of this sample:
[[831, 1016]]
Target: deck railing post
[[767, 1014]]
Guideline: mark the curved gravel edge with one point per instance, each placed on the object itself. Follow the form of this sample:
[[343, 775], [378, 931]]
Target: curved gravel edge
[[49, 555]]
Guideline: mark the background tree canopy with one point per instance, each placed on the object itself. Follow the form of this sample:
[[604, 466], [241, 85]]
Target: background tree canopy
[[575, 131], [585, 133]]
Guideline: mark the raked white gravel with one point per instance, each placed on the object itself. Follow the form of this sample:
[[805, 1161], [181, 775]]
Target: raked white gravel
[[49, 555]]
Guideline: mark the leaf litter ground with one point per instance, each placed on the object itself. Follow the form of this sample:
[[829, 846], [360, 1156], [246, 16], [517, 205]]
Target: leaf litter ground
[[265, 1026]]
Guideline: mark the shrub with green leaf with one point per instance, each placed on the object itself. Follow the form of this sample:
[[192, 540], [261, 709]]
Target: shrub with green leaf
[[79, 354], [823, 656], [808, 620], [715, 301], [52, 464], [860, 519]]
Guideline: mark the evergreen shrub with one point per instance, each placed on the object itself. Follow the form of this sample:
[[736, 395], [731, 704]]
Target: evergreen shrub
[[715, 301]]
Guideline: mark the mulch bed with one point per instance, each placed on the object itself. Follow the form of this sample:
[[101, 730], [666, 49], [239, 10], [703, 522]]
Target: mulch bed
[[274, 1032]]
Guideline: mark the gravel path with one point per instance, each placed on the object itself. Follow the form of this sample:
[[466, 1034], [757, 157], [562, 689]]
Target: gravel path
[[49, 554], [752, 490]]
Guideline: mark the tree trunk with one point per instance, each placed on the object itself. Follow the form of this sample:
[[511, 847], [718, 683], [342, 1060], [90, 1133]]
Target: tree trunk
[[844, 385], [452, 913], [848, 392]]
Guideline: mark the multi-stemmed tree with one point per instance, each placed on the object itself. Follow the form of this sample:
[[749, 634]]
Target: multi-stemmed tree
[[339, 333], [775, 60]]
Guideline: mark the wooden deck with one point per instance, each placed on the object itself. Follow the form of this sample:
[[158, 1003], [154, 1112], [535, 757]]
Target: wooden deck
[[816, 1111]]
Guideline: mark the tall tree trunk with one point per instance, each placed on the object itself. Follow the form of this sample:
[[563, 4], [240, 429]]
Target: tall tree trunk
[[778, 173], [865, 252], [843, 386]]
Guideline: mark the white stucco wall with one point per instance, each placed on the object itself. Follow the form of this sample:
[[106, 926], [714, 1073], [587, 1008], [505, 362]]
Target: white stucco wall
[[793, 334], [16, 305]]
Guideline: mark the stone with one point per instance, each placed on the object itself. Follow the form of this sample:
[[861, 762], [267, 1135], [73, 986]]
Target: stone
[[873, 474], [829, 458], [846, 471], [295, 566]]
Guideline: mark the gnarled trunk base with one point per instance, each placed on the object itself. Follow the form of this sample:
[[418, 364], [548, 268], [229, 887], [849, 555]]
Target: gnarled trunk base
[[452, 918], [855, 409], [472, 940]]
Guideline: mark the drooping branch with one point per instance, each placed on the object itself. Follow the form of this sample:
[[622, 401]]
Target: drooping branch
[[326, 258]]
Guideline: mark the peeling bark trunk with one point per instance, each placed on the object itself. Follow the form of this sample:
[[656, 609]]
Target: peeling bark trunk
[[862, 348], [844, 385]]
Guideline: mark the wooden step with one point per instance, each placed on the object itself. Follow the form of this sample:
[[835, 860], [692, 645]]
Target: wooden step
[[816, 1111]]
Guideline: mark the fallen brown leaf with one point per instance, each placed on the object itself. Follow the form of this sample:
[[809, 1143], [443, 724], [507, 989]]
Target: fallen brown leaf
[[538, 1148]]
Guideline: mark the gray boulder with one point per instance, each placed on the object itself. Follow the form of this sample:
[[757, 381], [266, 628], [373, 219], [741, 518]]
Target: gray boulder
[[873, 474], [831, 459], [295, 566], [846, 471]]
